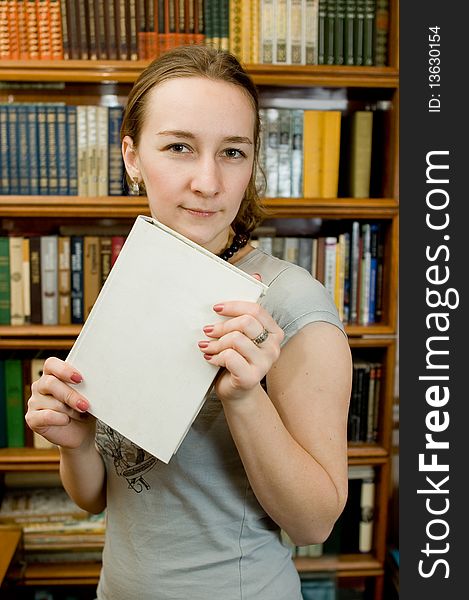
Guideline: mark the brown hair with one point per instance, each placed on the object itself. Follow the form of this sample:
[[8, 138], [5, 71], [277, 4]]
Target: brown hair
[[199, 61]]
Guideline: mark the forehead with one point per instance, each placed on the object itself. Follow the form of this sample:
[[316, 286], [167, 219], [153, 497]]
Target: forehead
[[186, 102]]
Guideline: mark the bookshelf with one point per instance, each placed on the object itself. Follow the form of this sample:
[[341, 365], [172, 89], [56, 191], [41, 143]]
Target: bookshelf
[[90, 82]]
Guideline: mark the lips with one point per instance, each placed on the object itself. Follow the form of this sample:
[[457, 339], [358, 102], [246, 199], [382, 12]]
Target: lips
[[200, 212]]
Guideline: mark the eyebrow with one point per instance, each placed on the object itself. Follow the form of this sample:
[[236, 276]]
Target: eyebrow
[[178, 133]]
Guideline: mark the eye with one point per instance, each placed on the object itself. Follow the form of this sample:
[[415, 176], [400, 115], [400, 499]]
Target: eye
[[178, 148], [234, 153]]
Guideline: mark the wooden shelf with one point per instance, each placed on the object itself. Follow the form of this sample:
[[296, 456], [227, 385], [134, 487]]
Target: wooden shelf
[[346, 565], [120, 71], [126, 206], [32, 459]]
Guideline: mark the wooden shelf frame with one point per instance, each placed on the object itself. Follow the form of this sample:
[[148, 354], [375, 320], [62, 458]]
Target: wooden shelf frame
[[121, 71]]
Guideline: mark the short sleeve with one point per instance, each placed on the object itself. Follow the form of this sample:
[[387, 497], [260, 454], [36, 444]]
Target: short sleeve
[[295, 299]]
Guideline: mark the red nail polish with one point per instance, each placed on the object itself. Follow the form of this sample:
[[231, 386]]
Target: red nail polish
[[203, 344], [82, 405], [208, 329], [208, 356], [218, 307], [76, 378]]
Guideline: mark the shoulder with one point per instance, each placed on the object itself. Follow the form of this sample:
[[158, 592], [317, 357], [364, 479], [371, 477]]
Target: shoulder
[[294, 297]]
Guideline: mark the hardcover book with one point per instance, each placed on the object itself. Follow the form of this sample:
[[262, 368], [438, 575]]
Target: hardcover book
[[144, 374]]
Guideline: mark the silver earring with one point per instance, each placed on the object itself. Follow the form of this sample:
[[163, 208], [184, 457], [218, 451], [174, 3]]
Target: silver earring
[[134, 187]]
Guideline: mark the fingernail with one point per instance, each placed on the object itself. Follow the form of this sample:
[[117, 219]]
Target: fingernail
[[208, 356], [76, 378], [82, 405], [203, 344], [218, 307], [208, 329]]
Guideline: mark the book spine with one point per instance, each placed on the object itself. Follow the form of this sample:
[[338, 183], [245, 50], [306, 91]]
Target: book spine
[[329, 27], [284, 153], [267, 31], [4, 151], [339, 36], [52, 150], [254, 30], [360, 153], [62, 151], [297, 154], [92, 150], [102, 121], [26, 387], [65, 33], [359, 32], [16, 280], [116, 168], [64, 282], [43, 156], [33, 34], [91, 273], [296, 27], [369, 32], [331, 154], [22, 149], [49, 279], [35, 279], [349, 32], [281, 30], [5, 314], [58, 36], [271, 147], [82, 150], [19, 28], [313, 142], [25, 268], [76, 267], [14, 402], [13, 174], [322, 8], [33, 149], [236, 33], [381, 33], [72, 153], [3, 407], [105, 252], [44, 29]]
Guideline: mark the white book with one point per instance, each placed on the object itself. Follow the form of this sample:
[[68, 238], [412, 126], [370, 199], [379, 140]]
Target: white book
[[144, 374]]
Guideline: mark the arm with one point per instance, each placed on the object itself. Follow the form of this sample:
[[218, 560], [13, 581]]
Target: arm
[[293, 442], [58, 412]]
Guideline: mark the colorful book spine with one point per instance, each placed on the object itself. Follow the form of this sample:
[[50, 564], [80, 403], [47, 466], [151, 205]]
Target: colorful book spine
[[16, 280], [49, 279], [33, 149], [5, 314], [76, 267], [35, 279], [14, 402]]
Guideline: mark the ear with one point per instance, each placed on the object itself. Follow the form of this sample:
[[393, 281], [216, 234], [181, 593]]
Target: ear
[[129, 153]]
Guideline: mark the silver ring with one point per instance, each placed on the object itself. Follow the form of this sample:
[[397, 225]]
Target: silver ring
[[261, 337]]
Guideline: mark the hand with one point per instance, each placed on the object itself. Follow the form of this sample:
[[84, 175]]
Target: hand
[[57, 411], [233, 347]]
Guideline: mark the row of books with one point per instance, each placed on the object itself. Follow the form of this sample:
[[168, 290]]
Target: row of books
[[350, 265], [350, 32], [353, 531], [321, 153], [58, 149], [18, 371], [363, 415], [53, 279], [16, 375], [54, 527], [54, 149]]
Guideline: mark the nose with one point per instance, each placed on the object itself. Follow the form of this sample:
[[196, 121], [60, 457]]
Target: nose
[[207, 179]]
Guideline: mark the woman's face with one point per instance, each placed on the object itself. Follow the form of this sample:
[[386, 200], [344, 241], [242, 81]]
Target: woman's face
[[195, 156]]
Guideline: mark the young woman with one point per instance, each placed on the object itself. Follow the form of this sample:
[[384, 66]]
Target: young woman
[[269, 448]]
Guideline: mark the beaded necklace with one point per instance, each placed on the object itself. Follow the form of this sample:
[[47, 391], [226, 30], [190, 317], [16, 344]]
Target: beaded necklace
[[239, 241]]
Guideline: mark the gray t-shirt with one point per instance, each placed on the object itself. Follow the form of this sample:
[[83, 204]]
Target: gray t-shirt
[[193, 528]]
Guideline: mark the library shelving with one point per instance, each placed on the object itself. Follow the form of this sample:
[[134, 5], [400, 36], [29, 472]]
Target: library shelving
[[95, 82]]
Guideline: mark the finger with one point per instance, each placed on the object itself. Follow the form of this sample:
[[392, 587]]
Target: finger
[[40, 420], [236, 308], [49, 385], [243, 375], [235, 340], [247, 324], [51, 403], [61, 369]]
